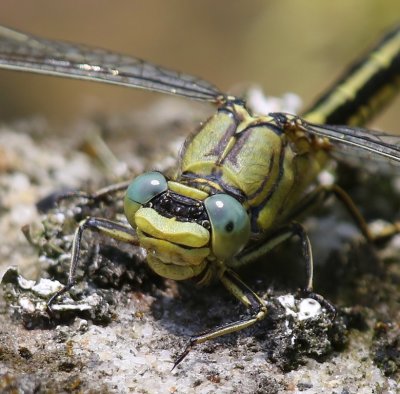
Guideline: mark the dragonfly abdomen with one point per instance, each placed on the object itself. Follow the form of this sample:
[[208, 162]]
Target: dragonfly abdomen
[[364, 89]]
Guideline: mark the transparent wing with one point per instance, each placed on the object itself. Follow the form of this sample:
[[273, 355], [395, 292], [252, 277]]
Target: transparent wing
[[364, 143], [19, 51]]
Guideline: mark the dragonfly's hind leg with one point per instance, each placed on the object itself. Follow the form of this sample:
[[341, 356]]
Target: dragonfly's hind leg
[[322, 193], [116, 230], [385, 232]]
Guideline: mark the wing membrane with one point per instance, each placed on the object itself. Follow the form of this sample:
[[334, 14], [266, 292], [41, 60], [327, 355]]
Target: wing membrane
[[19, 51], [366, 143]]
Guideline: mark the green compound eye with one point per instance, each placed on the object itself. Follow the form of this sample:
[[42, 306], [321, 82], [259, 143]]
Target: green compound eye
[[141, 190], [146, 186], [230, 225]]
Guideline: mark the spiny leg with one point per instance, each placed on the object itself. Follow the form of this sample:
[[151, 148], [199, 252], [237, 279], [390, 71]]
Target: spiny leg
[[119, 231], [255, 252], [244, 294], [322, 193], [54, 199], [98, 195], [259, 250], [319, 195]]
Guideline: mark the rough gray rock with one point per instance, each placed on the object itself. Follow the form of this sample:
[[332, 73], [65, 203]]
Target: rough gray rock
[[121, 327]]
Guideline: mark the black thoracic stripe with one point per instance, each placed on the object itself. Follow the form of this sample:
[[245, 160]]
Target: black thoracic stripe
[[216, 177], [243, 136], [240, 140], [383, 78], [276, 129], [266, 179], [254, 211], [221, 144]]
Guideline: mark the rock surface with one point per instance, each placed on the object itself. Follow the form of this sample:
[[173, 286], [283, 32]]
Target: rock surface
[[122, 327]]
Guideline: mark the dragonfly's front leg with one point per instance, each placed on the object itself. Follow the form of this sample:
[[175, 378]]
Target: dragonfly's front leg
[[259, 250], [119, 231], [102, 195], [98, 195], [244, 294]]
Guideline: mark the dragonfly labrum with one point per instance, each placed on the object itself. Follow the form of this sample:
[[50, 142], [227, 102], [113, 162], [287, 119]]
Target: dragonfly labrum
[[241, 180]]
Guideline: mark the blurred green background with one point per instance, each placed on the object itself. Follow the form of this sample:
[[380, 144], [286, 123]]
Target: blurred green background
[[286, 45]]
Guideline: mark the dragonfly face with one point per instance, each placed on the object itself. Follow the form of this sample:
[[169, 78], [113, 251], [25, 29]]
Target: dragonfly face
[[182, 234]]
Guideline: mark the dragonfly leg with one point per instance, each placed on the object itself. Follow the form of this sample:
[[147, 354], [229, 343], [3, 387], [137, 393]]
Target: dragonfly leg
[[308, 290], [259, 250], [119, 231], [386, 232], [322, 193], [99, 195], [293, 229], [244, 294]]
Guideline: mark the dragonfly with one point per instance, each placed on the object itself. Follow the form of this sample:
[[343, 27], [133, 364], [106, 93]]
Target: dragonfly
[[241, 181]]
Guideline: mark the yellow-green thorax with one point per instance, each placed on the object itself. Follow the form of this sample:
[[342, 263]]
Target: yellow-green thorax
[[252, 158], [239, 176]]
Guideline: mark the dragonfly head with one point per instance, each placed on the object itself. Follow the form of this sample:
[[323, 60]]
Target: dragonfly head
[[182, 234]]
